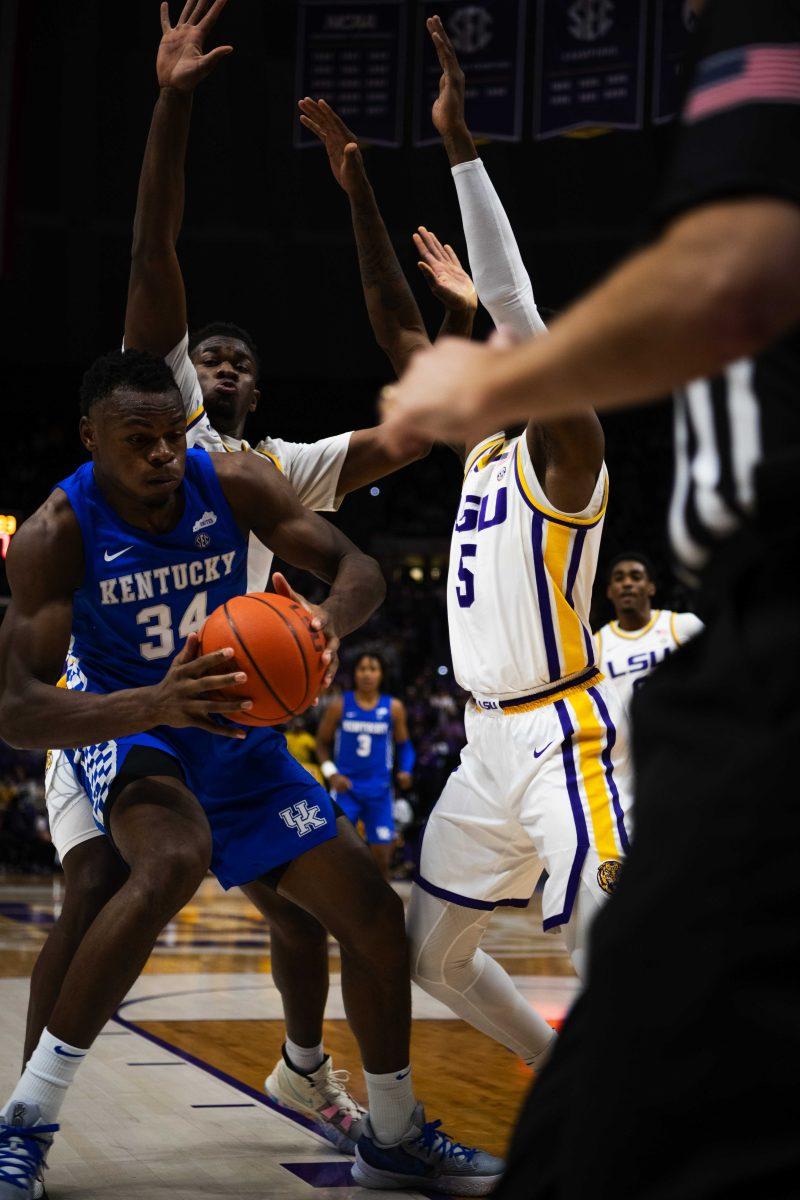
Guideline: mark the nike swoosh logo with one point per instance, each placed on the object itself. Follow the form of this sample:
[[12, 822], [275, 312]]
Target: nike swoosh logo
[[66, 1053], [404, 1075], [110, 557], [539, 753]]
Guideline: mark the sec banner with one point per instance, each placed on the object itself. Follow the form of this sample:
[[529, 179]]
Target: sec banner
[[352, 54], [489, 38], [589, 65]]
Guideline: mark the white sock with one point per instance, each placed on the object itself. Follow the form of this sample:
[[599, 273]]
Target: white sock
[[50, 1070], [305, 1059], [391, 1104]]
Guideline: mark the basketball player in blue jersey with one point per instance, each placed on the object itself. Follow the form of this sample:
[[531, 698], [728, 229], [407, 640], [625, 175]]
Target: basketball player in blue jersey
[[116, 572], [217, 373], [367, 725]]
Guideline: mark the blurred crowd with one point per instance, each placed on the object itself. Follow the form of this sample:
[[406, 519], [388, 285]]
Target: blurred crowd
[[25, 847]]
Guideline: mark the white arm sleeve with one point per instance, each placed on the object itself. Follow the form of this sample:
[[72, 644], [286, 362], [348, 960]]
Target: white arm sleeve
[[199, 431], [501, 281]]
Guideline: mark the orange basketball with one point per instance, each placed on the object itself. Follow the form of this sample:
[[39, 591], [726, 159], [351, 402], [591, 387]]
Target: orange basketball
[[277, 649]]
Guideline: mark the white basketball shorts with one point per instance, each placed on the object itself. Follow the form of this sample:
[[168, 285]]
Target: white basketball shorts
[[69, 810], [543, 788]]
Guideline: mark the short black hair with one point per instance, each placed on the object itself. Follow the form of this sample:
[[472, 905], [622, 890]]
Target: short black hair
[[229, 330], [631, 556], [134, 369], [370, 652]]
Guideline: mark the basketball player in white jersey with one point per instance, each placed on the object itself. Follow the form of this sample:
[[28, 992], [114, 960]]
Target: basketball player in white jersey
[[543, 777], [630, 647], [217, 375]]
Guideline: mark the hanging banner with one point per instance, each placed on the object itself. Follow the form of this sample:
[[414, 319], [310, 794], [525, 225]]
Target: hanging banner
[[675, 24], [352, 54], [489, 39], [589, 65]]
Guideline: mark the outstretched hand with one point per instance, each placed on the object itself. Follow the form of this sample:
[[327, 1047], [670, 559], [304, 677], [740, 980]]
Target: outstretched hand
[[444, 274], [339, 141], [181, 63], [448, 108]]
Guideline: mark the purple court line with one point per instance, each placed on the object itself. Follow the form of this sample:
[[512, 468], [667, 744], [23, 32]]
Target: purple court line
[[246, 1104]]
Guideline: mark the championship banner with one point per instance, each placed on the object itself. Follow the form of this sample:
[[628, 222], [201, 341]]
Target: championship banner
[[352, 54], [489, 38], [589, 65], [675, 23]]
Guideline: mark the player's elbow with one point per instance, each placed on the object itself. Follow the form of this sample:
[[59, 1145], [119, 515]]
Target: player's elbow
[[14, 728]]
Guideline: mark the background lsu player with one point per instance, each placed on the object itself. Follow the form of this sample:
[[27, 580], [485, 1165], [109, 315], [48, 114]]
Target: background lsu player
[[630, 647], [543, 777], [367, 725]]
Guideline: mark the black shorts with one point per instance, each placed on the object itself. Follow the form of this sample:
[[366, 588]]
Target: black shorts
[[676, 1075]]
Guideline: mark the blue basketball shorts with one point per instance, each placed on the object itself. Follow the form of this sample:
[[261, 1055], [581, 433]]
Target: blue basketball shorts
[[263, 807], [374, 808]]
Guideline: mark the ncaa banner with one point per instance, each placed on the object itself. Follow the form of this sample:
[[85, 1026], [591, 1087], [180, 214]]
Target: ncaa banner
[[352, 54], [489, 38], [675, 24], [589, 65]]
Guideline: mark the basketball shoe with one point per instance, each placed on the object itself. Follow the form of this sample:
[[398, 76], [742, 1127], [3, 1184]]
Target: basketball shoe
[[24, 1142], [321, 1095], [426, 1157]]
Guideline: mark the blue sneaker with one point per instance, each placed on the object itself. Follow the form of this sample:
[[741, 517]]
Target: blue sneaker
[[425, 1157], [24, 1142]]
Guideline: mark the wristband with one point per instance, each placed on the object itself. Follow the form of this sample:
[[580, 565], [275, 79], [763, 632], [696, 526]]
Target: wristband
[[406, 756], [329, 769]]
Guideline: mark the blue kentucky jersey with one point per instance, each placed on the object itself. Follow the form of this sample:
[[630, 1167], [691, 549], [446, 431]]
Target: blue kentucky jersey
[[143, 593], [365, 742]]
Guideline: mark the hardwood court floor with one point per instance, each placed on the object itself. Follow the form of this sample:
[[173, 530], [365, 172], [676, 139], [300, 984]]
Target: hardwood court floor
[[170, 1104]]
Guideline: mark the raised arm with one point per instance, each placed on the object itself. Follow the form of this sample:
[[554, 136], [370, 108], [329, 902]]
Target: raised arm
[[567, 454], [45, 567], [155, 316], [393, 313]]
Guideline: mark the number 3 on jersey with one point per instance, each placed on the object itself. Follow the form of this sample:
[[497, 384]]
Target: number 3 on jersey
[[158, 626], [466, 597]]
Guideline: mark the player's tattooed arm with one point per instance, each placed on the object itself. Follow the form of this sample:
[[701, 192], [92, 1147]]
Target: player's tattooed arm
[[155, 316], [45, 567], [326, 734], [393, 312], [263, 501]]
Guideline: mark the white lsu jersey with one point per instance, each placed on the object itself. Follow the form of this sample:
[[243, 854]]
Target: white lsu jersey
[[628, 657], [312, 468], [520, 580]]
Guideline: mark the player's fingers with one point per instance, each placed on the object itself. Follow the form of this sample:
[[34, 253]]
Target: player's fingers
[[186, 11], [309, 124], [422, 247], [203, 664], [432, 243], [282, 586], [211, 17], [215, 683], [451, 254], [440, 250], [197, 12], [210, 60], [188, 651], [227, 706], [336, 121], [165, 25], [430, 275]]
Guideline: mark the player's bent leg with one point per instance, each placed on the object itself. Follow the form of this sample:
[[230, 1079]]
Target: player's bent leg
[[378, 815], [304, 1079], [93, 873], [163, 835], [447, 962], [339, 883]]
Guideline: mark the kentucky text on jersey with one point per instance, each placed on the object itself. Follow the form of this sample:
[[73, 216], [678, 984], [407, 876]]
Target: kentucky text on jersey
[[160, 581]]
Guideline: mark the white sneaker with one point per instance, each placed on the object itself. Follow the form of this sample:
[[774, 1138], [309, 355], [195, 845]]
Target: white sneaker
[[24, 1142], [321, 1095]]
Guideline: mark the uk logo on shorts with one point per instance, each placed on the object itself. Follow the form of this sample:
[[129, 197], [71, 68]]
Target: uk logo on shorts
[[302, 819]]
